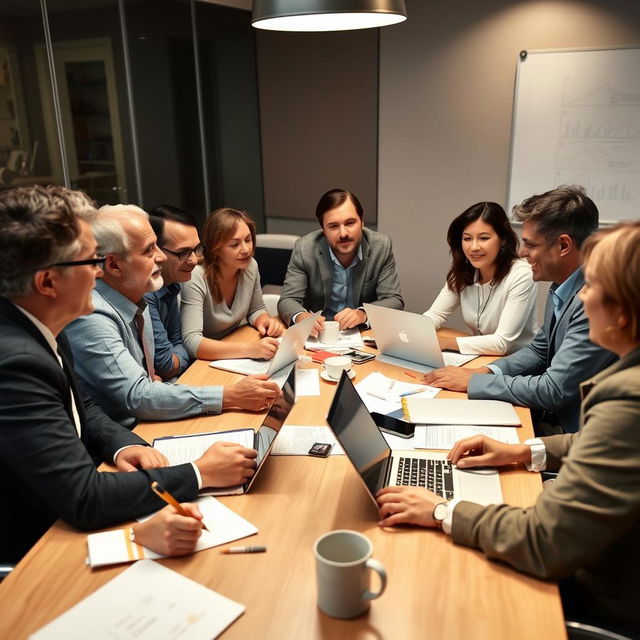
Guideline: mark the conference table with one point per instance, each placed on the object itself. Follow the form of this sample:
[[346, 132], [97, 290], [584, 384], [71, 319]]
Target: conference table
[[435, 589]]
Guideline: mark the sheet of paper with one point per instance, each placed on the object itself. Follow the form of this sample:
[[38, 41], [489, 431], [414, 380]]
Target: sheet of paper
[[295, 440], [349, 339], [382, 394], [444, 436], [451, 358], [307, 382], [225, 525], [189, 448], [146, 602], [396, 442]]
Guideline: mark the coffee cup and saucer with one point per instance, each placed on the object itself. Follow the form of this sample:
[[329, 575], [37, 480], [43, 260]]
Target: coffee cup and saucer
[[333, 368]]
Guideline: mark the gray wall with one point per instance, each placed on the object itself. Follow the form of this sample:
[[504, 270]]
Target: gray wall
[[446, 90]]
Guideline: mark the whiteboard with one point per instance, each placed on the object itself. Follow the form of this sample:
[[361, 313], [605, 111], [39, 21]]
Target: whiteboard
[[576, 120]]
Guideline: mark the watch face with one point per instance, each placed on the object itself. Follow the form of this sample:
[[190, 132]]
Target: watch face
[[440, 511]]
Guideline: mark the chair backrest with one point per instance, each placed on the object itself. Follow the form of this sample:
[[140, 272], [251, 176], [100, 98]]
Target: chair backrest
[[271, 303], [582, 631], [273, 251]]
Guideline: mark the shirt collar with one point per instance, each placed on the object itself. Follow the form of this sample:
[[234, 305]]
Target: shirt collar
[[42, 328], [354, 262], [563, 291], [120, 303]]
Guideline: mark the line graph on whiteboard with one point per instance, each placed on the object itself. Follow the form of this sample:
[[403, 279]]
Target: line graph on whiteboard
[[577, 121]]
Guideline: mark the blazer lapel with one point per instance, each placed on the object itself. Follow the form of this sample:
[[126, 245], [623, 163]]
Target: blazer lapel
[[359, 271], [565, 307], [326, 271], [67, 367]]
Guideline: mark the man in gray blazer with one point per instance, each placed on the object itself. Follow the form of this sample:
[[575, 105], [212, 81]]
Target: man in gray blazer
[[546, 374], [338, 268]]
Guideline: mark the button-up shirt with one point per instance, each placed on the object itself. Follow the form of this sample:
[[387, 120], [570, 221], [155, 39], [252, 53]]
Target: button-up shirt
[[341, 285]]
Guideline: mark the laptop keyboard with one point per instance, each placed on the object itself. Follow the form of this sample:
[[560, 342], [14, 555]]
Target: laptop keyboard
[[435, 475]]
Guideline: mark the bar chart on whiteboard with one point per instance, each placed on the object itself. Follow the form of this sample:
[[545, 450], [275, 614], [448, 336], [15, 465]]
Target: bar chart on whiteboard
[[577, 121]]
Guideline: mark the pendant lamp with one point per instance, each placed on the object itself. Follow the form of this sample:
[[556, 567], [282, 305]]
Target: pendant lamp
[[326, 15]]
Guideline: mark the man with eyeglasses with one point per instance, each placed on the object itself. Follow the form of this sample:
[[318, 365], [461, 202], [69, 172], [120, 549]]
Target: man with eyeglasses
[[178, 239], [113, 347]]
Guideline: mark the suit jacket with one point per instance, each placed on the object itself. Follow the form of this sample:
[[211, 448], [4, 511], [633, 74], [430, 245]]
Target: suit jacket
[[546, 374], [307, 285], [46, 470], [587, 523]]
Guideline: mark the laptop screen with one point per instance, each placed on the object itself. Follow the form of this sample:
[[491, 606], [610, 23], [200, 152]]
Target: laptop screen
[[359, 435], [274, 420]]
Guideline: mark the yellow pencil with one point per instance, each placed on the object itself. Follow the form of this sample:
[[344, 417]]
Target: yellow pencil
[[169, 499]]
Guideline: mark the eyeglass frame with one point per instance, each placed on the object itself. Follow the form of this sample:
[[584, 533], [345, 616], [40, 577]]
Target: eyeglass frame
[[96, 262], [183, 255]]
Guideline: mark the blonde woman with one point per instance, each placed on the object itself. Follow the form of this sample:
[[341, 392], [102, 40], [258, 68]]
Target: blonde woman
[[224, 293]]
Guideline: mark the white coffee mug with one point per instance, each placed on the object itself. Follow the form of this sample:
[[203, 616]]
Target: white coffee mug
[[335, 365], [330, 333], [343, 565]]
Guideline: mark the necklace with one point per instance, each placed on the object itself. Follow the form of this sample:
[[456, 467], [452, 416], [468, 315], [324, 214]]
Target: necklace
[[482, 308]]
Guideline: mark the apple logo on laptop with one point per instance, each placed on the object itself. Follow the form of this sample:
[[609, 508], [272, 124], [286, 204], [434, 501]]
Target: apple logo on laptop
[[403, 336]]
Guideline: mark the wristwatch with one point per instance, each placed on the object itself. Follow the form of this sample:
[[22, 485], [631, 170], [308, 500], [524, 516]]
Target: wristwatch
[[440, 513]]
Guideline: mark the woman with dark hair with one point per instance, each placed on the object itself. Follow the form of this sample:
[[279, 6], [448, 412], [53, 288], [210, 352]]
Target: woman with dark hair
[[224, 293], [492, 286]]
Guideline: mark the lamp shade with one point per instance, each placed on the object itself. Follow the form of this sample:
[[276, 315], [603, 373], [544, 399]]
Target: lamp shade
[[326, 15]]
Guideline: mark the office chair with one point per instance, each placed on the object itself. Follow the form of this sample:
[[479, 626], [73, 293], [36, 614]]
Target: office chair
[[271, 303], [582, 631], [273, 251]]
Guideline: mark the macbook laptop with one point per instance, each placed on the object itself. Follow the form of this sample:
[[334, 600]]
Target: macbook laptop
[[379, 467], [291, 346], [409, 340], [183, 449]]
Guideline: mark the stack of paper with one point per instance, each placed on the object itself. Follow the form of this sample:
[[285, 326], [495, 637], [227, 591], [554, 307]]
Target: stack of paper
[[444, 436], [146, 602], [349, 339], [461, 412], [384, 395], [112, 547]]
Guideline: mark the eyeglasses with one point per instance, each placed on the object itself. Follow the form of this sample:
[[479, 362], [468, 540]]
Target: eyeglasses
[[96, 262], [185, 253]]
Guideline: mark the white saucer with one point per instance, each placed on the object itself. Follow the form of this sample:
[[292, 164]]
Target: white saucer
[[325, 376]]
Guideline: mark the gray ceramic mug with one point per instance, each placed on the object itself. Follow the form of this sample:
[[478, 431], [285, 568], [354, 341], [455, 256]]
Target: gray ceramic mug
[[343, 571]]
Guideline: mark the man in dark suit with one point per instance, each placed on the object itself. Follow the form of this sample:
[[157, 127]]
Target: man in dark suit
[[51, 435], [546, 374], [339, 267]]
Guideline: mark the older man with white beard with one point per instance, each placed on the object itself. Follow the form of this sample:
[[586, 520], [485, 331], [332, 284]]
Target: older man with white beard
[[113, 346]]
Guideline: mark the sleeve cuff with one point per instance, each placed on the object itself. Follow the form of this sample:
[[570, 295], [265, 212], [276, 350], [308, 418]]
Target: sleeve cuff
[[115, 455], [212, 402], [448, 519], [538, 455], [198, 476], [495, 369]]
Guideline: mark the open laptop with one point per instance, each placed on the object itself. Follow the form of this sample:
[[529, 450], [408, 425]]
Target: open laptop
[[379, 467], [291, 346], [182, 449], [409, 340]]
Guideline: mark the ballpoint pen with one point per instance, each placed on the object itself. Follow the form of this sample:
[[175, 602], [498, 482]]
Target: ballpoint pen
[[229, 550], [169, 499], [410, 393]]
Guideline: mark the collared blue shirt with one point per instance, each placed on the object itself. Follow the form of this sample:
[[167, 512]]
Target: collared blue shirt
[[560, 293], [109, 361], [167, 336], [341, 285]]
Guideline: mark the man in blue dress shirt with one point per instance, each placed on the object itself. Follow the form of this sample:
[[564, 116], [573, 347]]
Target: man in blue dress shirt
[[546, 374], [178, 239], [113, 346]]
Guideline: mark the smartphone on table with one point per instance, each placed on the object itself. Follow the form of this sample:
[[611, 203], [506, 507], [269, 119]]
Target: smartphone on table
[[393, 424]]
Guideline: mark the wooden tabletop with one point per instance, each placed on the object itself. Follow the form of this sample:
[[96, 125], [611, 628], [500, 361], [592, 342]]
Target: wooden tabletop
[[435, 588]]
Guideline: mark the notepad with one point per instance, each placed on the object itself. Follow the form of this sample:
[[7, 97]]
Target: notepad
[[225, 525], [146, 602], [444, 436], [461, 412]]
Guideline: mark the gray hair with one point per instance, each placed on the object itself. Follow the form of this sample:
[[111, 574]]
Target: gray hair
[[38, 228], [108, 230], [566, 209]]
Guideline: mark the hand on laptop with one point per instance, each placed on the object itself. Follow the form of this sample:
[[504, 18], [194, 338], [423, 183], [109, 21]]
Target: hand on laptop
[[317, 327], [169, 533], [263, 349], [139, 457], [480, 451], [350, 318], [407, 505], [269, 326], [254, 393], [226, 464], [452, 378]]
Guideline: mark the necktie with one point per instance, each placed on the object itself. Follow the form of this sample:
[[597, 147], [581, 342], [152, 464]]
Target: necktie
[[148, 360]]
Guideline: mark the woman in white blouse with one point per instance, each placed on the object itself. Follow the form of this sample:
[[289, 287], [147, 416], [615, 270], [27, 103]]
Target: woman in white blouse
[[492, 286], [224, 293]]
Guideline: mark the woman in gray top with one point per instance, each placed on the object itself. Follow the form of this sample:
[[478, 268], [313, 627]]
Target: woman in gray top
[[224, 293]]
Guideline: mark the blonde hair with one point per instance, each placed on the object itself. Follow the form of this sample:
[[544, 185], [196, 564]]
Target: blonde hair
[[219, 229], [613, 255]]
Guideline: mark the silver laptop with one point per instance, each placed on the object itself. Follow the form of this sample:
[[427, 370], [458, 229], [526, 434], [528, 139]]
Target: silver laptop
[[291, 346], [182, 449], [409, 340], [379, 467]]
